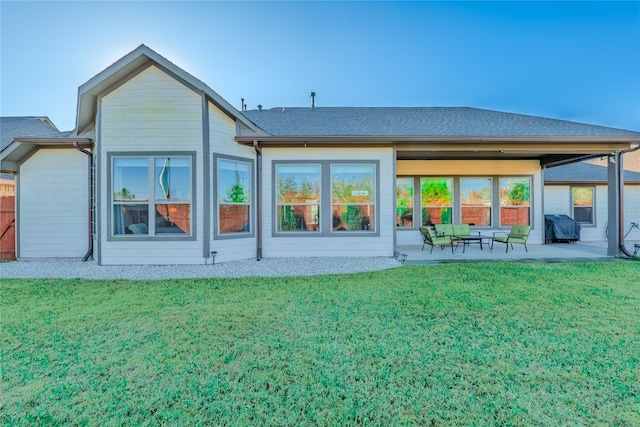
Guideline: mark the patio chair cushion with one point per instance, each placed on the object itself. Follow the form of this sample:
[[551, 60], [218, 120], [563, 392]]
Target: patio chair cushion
[[444, 229], [461, 230]]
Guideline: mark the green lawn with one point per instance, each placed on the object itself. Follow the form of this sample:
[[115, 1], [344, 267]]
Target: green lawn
[[470, 344]]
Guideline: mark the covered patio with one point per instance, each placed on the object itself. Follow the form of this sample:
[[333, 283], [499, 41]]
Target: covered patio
[[554, 252]]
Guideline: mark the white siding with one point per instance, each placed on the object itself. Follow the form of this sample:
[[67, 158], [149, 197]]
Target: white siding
[[632, 210], [557, 199], [478, 168], [222, 132], [313, 246], [53, 205], [151, 112]]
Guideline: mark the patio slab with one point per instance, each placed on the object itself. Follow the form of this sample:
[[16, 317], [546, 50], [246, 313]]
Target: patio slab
[[554, 252]]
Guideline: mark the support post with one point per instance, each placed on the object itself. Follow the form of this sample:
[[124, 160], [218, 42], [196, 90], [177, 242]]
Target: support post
[[613, 191]]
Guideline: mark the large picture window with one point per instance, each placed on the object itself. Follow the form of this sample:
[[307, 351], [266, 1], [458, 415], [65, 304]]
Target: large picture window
[[582, 199], [151, 195], [475, 201], [515, 201], [437, 200], [404, 202], [325, 198], [234, 196], [298, 197], [353, 197], [484, 201]]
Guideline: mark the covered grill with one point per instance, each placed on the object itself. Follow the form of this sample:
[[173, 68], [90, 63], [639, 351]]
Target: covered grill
[[561, 228]]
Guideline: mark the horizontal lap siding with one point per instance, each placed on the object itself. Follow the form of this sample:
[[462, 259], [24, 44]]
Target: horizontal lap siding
[[558, 201], [632, 210], [53, 207], [222, 133], [331, 246], [151, 113]]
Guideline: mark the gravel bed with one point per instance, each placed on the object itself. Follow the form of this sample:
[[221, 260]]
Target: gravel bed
[[75, 268]]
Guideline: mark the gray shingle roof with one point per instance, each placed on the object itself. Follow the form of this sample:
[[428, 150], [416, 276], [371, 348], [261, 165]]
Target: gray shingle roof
[[11, 127], [584, 173], [418, 121]]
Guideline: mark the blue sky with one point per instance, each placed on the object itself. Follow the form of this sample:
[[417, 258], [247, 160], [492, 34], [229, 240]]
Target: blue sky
[[568, 60]]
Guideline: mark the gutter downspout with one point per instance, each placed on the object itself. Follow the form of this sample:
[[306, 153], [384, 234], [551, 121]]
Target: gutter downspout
[[90, 162], [259, 200], [620, 165]]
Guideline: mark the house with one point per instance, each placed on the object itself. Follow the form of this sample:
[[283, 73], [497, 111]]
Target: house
[[580, 190], [162, 170], [11, 127]]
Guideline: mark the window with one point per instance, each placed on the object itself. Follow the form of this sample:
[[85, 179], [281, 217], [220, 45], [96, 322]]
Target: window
[[325, 198], [353, 197], [151, 196], [298, 197], [515, 201], [475, 201], [404, 202], [437, 200], [233, 196], [582, 198]]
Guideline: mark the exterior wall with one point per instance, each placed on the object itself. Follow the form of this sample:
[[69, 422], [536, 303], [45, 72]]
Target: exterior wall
[[150, 113], [477, 168], [53, 205], [557, 200], [333, 246], [222, 132]]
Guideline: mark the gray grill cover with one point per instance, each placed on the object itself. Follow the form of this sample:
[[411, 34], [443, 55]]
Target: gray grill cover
[[561, 227]]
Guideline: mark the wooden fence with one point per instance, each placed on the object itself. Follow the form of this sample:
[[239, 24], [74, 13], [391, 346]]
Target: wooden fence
[[7, 228]]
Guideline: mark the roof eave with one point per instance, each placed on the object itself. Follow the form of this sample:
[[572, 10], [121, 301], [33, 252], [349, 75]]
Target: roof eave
[[22, 147], [52, 141], [625, 141]]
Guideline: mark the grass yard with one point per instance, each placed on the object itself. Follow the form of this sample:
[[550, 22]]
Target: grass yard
[[469, 344]]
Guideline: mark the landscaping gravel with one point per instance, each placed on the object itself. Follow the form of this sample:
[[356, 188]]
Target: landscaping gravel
[[75, 268]]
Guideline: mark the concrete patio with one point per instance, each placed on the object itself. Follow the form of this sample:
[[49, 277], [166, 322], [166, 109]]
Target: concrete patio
[[554, 252]]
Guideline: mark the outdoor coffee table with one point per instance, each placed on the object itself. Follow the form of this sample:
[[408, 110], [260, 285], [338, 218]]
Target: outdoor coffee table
[[466, 240]]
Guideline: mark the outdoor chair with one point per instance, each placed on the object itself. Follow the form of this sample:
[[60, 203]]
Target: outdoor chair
[[518, 234], [430, 238]]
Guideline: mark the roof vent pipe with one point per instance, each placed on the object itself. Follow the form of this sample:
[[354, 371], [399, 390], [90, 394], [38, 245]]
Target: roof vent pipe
[[313, 100], [260, 107], [243, 106]]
